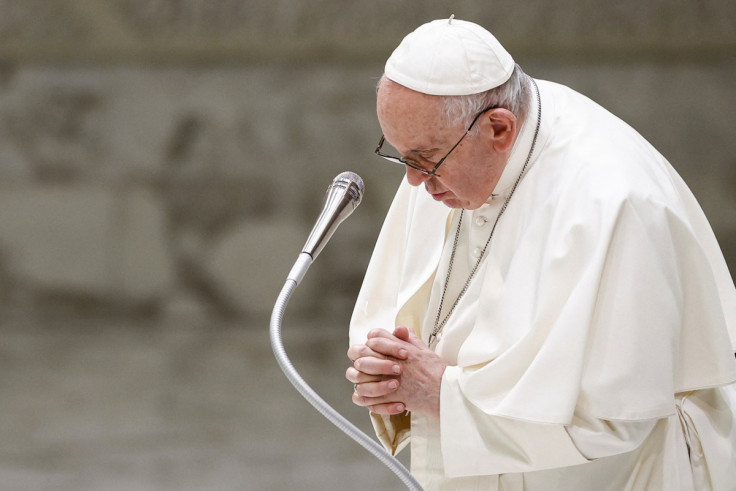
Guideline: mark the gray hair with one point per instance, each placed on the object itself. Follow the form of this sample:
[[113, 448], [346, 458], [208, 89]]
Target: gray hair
[[514, 95]]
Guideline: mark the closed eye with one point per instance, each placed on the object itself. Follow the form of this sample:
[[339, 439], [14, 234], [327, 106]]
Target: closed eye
[[425, 157]]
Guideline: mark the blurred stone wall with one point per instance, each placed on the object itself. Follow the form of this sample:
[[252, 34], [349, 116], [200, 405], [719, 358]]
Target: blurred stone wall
[[162, 157]]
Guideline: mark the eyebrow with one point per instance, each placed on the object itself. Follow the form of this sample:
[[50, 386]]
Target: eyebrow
[[424, 150]]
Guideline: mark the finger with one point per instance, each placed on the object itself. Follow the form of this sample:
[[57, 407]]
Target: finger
[[389, 346], [402, 332], [357, 377], [360, 350], [364, 401], [379, 405], [389, 409], [374, 333], [377, 389], [383, 333], [376, 366], [414, 339], [407, 335]]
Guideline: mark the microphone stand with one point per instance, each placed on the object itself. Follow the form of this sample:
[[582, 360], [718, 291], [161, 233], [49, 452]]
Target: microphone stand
[[295, 276]]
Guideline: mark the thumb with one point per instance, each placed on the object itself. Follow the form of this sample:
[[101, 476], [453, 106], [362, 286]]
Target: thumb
[[408, 335], [402, 332]]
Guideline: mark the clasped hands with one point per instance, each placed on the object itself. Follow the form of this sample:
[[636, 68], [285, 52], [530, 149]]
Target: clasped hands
[[395, 372]]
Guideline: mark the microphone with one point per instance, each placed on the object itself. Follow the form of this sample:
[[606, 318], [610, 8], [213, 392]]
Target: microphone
[[341, 199], [343, 195]]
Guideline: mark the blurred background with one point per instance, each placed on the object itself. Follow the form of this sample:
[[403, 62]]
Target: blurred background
[[161, 164]]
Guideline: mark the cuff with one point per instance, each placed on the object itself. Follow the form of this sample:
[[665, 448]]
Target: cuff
[[392, 431]]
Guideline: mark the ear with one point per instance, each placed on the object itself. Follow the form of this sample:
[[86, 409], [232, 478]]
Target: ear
[[504, 127]]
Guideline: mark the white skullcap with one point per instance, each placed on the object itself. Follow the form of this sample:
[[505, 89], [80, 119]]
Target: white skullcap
[[450, 57]]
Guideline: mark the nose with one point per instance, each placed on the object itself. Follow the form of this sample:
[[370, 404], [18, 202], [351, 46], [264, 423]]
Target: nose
[[415, 178]]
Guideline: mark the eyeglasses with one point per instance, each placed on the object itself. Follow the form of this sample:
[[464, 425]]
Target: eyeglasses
[[416, 166]]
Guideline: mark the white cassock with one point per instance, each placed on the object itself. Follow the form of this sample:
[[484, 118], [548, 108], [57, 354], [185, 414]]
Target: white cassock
[[594, 349]]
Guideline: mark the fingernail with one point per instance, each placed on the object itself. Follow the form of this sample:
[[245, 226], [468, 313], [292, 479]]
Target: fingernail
[[396, 369], [402, 353], [393, 385], [399, 408]]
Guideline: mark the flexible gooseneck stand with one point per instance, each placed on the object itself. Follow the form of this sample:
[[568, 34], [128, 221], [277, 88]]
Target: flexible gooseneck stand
[[295, 276]]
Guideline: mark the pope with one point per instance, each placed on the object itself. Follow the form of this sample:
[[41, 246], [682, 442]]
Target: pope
[[546, 307]]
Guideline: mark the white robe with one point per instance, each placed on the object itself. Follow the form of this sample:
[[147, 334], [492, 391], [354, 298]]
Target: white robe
[[594, 348]]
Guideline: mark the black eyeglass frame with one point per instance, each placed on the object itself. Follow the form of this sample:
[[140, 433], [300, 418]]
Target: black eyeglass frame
[[433, 172]]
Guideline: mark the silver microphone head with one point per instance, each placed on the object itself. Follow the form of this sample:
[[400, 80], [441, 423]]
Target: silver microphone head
[[343, 195], [353, 184]]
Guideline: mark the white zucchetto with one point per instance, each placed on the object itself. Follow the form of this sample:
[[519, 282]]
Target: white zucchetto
[[450, 57]]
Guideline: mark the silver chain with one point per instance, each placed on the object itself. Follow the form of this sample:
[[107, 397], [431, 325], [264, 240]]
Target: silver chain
[[438, 326]]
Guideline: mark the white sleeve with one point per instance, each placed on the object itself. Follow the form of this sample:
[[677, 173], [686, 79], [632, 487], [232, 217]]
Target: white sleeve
[[477, 443], [596, 438]]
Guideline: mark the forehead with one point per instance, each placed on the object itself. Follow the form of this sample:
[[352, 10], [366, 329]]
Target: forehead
[[409, 119], [394, 99]]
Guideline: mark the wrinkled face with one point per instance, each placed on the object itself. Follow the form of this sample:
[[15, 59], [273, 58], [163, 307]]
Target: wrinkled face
[[413, 125]]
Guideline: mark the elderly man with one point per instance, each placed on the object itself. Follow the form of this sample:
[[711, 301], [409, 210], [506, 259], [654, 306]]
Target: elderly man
[[546, 307]]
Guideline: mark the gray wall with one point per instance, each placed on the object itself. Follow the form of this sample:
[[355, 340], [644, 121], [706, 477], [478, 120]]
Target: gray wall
[[165, 155], [161, 163]]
